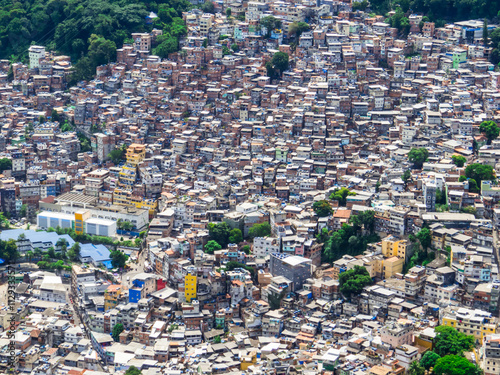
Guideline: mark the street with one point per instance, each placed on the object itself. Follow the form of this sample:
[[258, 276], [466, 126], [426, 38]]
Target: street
[[135, 269]]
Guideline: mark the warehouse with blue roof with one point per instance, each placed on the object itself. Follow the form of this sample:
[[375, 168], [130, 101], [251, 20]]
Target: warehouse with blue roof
[[35, 240], [95, 254]]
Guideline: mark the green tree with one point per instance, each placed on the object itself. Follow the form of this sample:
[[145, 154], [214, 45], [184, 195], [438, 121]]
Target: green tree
[[208, 7], [101, 50], [418, 156], [220, 233], [341, 195], [132, 370], [490, 130], [473, 188], [231, 265], [360, 5], [205, 43], [429, 359], [322, 208], [212, 246], [117, 329], [406, 177], [235, 236], [270, 23], [479, 172], [246, 249], [169, 44], [217, 339], [271, 71], [322, 236], [441, 196], [118, 259], [416, 369], [485, 33], [24, 210], [8, 251], [455, 365], [354, 280], [235, 47], [297, 28], [275, 299], [55, 116], [260, 230], [280, 61], [449, 341], [424, 237], [74, 252], [5, 164], [458, 160], [228, 12], [118, 154]]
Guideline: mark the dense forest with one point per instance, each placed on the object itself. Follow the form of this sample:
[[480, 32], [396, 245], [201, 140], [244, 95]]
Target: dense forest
[[87, 30]]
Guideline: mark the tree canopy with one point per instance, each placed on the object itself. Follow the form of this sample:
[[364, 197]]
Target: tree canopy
[[429, 359], [8, 250], [479, 172], [297, 28], [449, 341], [118, 154], [406, 176], [220, 233], [280, 61], [5, 164], [418, 156], [212, 246], [118, 259], [341, 195], [351, 239], [117, 329], [270, 23], [260, 230], [89, 31], [132, 370], [354, 280], [458, 160], [235, 236], [424, 237], [455, 365], [490, 130], [322, 208]]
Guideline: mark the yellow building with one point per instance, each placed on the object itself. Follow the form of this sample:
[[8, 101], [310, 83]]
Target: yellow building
[[146, 204], [122, 197], [128, 175], [111, 296], [394, 247], [248, 360], [190, 287], [135, 154], [80, 217], [392, 266], [477, 323]]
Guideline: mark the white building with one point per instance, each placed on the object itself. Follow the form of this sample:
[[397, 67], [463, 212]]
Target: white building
[[52, 289], [263, 246], [36, 53]]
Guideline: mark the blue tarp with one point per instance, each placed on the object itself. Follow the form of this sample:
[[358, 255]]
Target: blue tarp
[[108, 264]]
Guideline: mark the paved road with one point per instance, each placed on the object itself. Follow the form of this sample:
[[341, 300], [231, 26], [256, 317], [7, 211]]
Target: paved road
[[136, 268]]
